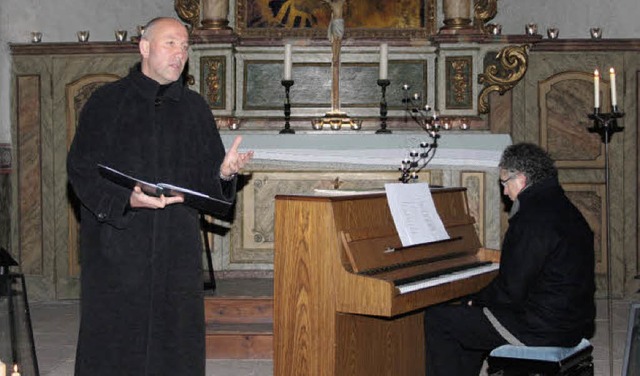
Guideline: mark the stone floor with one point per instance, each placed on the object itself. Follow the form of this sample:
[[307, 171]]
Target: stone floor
[[55, 326]]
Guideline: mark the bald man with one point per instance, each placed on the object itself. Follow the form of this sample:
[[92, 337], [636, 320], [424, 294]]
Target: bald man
[[142, 309]]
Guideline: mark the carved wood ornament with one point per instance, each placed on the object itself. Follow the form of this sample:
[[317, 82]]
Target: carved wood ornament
[[513, 62]]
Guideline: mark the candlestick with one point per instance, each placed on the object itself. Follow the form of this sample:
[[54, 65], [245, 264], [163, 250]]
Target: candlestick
[[606, 124], [383, 106], [596, 89], [612, 77], [384, 56], [287, 107], [287, 62]]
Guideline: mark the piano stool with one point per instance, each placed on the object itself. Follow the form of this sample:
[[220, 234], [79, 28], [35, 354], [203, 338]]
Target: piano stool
[[510, 360]]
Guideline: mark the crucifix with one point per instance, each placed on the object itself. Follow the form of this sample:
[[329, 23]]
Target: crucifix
[[335, 33], [335, 118]]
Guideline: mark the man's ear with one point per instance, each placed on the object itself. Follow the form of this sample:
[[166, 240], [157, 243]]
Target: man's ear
[[143, 45]]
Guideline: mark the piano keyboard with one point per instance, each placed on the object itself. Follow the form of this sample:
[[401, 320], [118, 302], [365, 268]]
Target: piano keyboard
[[446, 278]]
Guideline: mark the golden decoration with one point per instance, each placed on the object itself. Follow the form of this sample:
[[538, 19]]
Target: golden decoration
[[513, 62], [188, 11], [213, 80], [459, 80], [483, 12]]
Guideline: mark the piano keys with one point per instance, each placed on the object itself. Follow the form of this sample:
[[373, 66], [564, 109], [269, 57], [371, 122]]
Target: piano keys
[[348, 298]]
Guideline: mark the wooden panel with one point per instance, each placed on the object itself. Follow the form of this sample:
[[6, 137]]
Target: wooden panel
[[253, 228], [29, 140], [357, 356], [77, 94], [475, 184], [565, 99], [590, 199]]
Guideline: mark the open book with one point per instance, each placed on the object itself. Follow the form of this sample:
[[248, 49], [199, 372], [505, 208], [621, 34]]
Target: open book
[[195, 199]]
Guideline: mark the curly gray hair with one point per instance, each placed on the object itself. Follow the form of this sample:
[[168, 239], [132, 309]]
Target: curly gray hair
[[530, 160]]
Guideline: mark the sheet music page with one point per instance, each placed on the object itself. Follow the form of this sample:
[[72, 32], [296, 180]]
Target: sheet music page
[[414, 213]]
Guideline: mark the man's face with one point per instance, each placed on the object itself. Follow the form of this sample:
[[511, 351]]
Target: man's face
[[164, 51], [512, 183]]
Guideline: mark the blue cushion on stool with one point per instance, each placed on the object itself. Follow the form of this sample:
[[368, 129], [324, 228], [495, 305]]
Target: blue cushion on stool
[[544, 353]]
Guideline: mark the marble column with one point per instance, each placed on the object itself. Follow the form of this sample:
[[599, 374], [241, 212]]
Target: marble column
[[457, 15], [214, 14]]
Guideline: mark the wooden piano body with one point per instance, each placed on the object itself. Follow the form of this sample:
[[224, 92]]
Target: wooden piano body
[[337, 310]]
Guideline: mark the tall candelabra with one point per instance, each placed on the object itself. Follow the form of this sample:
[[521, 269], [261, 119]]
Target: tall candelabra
[[429, 121], [383, 107], [606, 124], [287, 107]]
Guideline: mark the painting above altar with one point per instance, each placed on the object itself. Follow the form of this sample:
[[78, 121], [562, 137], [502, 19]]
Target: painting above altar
[[310, 18]]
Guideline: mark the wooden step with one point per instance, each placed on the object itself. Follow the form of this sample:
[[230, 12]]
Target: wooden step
[[239, 319], [231, 310], [239, 341]]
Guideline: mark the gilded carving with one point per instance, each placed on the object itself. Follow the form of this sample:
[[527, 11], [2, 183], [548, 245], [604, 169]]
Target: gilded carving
[[458, 77], [460, 84], [188, 11], [213, 71], [483, 12], [512, 63]]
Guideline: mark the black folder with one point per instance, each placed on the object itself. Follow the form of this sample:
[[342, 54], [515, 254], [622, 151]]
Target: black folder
[[197, 200]]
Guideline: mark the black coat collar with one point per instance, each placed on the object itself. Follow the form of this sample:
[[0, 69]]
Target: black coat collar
[[150, 87]]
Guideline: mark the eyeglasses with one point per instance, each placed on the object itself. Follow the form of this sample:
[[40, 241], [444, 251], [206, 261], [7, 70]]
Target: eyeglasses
[[505, 181]]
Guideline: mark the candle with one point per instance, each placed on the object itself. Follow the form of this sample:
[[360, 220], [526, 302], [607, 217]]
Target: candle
[[15, 371], [3, 369], [596, 89], [287, 62], [612, 77], [384, 56]]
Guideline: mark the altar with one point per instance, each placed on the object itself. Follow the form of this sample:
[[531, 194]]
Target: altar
[[300, 163]]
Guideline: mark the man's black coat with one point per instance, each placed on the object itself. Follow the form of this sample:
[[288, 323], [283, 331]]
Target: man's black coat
[[142, 297], [544, 292]]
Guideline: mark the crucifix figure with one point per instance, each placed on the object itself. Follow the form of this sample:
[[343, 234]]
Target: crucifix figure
[[335, 33]]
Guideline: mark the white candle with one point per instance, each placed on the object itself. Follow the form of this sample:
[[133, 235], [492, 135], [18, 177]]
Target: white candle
[[287, 62], [612, 77], [3, 369], [596, 89], [384, 56]]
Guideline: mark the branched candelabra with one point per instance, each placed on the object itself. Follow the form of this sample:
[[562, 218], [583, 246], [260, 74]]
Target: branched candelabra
[[287, 107], [428, 120]]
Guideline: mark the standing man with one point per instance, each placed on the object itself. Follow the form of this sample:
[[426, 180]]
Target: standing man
[[142, 309], [544, 292]]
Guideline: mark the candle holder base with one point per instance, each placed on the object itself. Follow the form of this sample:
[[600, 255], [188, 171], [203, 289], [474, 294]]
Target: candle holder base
[[335, 120]]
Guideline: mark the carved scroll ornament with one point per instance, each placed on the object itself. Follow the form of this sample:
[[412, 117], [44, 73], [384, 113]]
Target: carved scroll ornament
[[513, 62], [188, 11], [483, 12]]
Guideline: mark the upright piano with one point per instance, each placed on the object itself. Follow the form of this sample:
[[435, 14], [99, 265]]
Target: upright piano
[[349, 299]]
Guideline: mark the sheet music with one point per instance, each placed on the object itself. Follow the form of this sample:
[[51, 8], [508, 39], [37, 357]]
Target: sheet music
[[414, 213]]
